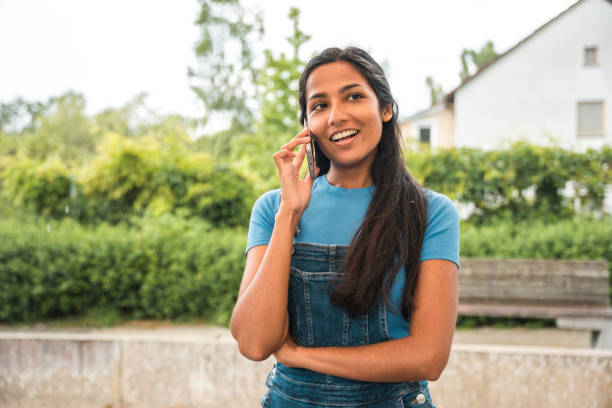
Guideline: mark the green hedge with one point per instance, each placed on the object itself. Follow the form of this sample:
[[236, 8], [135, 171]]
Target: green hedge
[[577, 238], [166, 267], [174, 267], [522, 182]]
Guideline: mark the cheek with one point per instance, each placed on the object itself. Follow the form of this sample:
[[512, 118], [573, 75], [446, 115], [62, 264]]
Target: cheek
[[317, 124]]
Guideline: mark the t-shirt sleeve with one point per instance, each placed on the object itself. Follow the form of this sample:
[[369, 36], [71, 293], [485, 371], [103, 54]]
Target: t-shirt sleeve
[[442, 230], [262, 219]]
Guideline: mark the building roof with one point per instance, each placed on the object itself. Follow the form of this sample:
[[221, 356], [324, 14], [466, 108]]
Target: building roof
[[449, 97], [425, 112]]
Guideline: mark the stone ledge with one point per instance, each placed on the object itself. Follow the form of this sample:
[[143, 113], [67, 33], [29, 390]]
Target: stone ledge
[[128, 371]]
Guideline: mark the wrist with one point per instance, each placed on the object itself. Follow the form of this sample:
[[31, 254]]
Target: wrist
[[298, 357], [289, 215]]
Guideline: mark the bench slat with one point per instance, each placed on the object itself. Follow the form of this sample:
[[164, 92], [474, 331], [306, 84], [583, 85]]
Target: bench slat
[[536, 281]]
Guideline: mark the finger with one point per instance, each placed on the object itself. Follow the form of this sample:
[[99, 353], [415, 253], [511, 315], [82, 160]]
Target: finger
[[283, 155], [307, 179], [303, 133], [299, 158], [296, 142]]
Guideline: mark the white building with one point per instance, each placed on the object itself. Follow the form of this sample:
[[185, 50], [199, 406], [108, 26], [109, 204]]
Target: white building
[[552, 88]]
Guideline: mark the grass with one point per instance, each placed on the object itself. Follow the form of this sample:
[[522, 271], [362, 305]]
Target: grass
[[472, 322]]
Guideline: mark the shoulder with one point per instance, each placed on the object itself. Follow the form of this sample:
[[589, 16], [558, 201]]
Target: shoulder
[[262, 219], [439, 205], [268, 202], [441, 239]]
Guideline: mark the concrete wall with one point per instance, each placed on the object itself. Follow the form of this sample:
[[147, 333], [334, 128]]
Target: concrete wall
[[533, 91], [96, 371]]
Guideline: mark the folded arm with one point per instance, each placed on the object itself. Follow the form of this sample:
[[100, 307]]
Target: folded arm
[[421, 356], [260, 321]]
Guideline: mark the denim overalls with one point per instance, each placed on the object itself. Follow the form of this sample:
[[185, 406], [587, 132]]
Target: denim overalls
[[315, 322]]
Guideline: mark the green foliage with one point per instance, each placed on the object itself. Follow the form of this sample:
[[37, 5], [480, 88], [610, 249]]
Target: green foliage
[[177, 267], [471, 322], [278, 120], [20, 116], [42, 187], [226, 60], [64, 131], [519, 183], [59, 128], [162, 267], [436, 94], [276, 88], [576, 238], [472, 60], [131, 178]]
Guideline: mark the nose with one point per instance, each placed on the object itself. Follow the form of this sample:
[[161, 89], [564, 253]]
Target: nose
[[337, 114]]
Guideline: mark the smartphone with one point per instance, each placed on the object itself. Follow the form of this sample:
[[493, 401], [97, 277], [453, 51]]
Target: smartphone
[[311, 156]]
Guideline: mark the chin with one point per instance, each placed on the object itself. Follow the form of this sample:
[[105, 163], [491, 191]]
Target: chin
[[345, 162]]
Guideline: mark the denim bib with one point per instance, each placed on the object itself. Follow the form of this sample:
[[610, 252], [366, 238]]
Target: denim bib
[[315, 322]]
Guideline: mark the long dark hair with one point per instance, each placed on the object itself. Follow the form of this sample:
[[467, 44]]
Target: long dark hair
[[393, 229]]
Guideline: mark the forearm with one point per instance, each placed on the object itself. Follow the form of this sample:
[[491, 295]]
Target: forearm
[[399, 360], [260, 319]]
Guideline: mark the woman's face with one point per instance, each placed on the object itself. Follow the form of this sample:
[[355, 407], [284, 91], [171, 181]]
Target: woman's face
[[343, 112]]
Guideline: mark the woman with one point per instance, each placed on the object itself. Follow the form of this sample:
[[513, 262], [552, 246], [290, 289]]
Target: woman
[[351, 278]]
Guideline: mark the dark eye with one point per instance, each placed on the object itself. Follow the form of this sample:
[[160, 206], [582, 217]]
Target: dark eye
[[355, 96], [318, 106]]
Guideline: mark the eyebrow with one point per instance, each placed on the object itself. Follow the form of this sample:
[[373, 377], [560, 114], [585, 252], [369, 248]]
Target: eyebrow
[[342, 90]]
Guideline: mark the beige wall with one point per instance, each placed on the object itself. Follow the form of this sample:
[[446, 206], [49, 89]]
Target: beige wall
[[441, 122], [446, 127], [85, 371]]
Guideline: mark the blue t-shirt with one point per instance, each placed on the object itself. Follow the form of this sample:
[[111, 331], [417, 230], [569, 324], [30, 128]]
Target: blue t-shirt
[[333, 216]]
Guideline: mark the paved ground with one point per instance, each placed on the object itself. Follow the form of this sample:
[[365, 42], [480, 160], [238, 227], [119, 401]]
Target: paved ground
[[516, 336]]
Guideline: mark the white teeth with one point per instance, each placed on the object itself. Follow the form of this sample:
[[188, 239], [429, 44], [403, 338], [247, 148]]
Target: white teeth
[[344, 134]]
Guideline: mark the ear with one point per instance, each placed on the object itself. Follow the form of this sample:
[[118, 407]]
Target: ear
[[387, 113]]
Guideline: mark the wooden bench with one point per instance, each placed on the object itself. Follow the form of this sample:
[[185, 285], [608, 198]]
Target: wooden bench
[[574, 293]]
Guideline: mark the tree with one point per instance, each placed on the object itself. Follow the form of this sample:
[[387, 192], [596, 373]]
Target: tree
[[123, 120], [20, 116], [278, 82], [61, 129], [435, 90], [277, 120], [225, 56], [472, 60]]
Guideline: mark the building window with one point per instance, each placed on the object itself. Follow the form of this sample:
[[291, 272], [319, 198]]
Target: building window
[[590, 119], [425, 135], [590, 56]]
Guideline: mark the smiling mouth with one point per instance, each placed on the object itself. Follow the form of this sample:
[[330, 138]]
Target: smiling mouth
[[345, 134]]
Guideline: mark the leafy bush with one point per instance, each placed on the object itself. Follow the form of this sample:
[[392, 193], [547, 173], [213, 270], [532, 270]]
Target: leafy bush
[[164, 267], [176, 267], [519, 183], [42, 187], [130, 178]]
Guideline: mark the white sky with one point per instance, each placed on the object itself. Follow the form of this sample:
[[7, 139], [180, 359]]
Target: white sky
[[110, 50]]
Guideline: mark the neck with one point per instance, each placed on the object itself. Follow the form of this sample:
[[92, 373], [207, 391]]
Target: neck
[[349, 177]]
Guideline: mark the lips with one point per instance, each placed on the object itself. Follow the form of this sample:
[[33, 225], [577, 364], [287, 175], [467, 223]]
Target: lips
[[343, 134]]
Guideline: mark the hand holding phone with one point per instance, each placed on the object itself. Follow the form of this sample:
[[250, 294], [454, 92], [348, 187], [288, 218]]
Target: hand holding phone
[[311, 156]]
